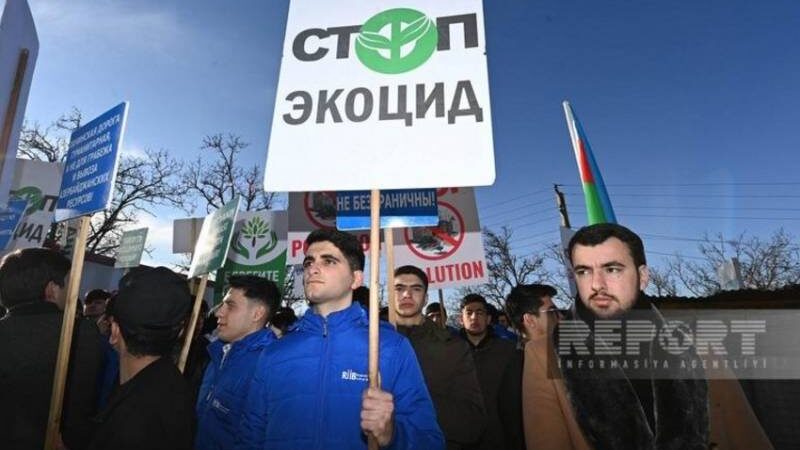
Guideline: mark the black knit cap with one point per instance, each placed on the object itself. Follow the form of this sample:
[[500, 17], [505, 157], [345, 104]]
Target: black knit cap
[[151, 299]]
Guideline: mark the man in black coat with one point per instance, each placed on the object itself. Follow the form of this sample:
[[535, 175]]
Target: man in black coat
[[499, 366], [32, 289], [446, 363], [152, 407]]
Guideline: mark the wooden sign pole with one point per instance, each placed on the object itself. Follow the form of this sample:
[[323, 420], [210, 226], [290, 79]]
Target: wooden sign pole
[[442, 310], [11, 108], [374, 267], [67, 326], [388, 240], [187, 339]]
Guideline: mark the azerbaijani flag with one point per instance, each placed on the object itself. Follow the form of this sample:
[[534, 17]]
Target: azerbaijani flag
[[598, 206]]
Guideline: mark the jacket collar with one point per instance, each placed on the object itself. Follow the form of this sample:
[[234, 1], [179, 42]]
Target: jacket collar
[[352, 316], [32, 308], [490, 335], [426, 328], [610, 413], [252, 342], [153, 373]]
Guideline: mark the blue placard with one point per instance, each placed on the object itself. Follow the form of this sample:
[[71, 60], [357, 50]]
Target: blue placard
[[399, 209], [10, 217], [91, 165]]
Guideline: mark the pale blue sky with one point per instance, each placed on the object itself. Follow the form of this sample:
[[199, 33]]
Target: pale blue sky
[[690, 106]]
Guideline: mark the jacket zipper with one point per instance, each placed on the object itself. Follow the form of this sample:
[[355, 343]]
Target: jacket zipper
[[213, 388], [324, 382]]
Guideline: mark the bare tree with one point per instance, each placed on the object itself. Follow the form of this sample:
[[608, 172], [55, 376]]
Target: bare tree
[[217, 182], [765, 263], [663, 282], [48, 143], [142, 182], [289, 297], [505, 269], [559, 275]]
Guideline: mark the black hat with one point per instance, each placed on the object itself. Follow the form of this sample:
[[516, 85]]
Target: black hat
[[151, 299]]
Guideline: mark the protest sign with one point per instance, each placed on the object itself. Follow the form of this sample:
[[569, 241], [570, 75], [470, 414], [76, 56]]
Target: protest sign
[[395, 93], [131, 246], [185, 233], [38, 182], [215, 239], [258, 248], [399, 208], [10, 217], [90, 170]]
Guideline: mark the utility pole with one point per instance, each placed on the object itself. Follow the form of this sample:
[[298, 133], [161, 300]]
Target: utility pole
[[566, 234], [562, 206]]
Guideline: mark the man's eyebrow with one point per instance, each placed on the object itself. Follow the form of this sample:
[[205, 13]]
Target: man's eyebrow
[[327, 256], [581, 267], [613, 264], [408, 285]]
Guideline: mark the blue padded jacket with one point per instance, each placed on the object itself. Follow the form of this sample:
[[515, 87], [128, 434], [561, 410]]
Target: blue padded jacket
[[308, 387], [221, 400]]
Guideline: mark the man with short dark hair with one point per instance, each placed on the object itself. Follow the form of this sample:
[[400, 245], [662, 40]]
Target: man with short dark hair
[[446, 362], [241, 327], [499, 367], [311, 387], [434, 312], [94, 305], [626, 407], [151, 408], [531, 310], [32, 288]]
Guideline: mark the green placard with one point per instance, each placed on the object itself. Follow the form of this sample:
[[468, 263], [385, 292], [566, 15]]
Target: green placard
[[258, 248], [131, 246], [215, 238]]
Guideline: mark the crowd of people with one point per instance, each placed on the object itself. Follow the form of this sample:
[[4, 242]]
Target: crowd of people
[[258, 377]]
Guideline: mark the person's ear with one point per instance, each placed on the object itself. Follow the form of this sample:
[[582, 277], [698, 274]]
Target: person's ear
[[358, 279], [644, 277], [51, 291], [115, 336], [260, 312]]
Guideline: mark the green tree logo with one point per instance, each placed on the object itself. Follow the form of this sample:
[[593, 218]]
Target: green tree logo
[[34, 197], [396, 41], [254, 230]]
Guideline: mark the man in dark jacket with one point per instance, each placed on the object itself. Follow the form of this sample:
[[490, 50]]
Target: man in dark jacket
[[446, 362], [32, 288], [311, 388], [499, 366], [242, 317], [152, 407]]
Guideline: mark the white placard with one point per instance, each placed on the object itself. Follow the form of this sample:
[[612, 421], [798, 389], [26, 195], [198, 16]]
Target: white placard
[[342, 123]]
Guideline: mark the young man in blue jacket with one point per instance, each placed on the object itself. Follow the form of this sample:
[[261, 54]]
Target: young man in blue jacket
[[242, 317], [311, 388]]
